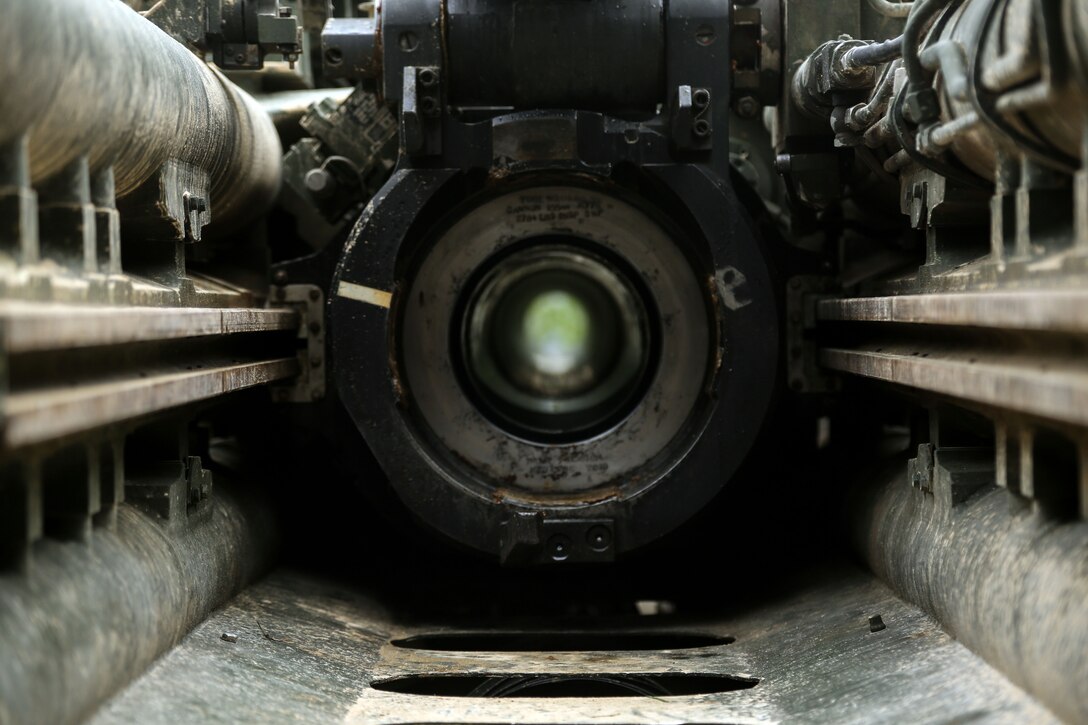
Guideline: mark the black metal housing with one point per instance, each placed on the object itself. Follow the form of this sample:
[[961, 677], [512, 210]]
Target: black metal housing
[[672, 165]]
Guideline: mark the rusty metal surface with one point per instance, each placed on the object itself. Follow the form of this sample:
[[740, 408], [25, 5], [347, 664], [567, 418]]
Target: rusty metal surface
[[90, 616], [109, 85], [296, 648], [37, 415], [1002, 576], [1055, 310], [27, 327]]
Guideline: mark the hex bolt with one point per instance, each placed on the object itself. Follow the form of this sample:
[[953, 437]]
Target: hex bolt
[[747, 107]]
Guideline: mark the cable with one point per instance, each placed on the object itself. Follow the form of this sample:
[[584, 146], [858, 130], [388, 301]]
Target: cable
[[908, 140], [874, 53], [917, 22], [350, 164], [985, 104]]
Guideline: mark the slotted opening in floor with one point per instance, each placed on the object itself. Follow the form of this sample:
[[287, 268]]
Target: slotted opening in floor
[[560, 641], [566, 685]]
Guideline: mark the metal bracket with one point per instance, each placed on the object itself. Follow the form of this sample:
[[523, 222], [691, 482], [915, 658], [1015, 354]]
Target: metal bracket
[[692, 122], [802, 365], [529, 538], [421, 111], [309, 301]]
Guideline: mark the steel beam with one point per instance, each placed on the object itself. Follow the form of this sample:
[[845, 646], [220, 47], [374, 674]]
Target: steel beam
[[36, 415], [34, 327], [1036, 310], [1051, 389]]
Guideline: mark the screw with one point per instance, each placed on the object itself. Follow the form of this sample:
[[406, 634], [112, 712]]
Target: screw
[[559, 547], [427, 77], [747, 107], [701, 127], [408, 41], [599, 537]]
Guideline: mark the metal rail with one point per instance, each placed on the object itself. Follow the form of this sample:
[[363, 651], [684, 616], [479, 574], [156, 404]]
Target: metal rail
[[37, 416], [32, 327], [1020, 352], [1038, 386], [1042, 310]]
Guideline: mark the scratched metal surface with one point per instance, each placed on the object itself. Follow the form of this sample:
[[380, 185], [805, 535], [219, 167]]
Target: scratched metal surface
[[307, 649]]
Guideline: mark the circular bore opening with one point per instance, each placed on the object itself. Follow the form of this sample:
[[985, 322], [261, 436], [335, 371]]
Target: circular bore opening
[[556, 340]]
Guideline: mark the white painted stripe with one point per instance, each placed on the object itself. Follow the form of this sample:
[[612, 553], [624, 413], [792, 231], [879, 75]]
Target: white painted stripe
[[368, 295]]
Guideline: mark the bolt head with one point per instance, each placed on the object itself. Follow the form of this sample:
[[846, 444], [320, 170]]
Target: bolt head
[[558, 547], [747, 107], [320, 183], [599, 537]]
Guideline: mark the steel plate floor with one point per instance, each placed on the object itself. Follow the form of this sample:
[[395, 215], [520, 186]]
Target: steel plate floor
[[308, 649]]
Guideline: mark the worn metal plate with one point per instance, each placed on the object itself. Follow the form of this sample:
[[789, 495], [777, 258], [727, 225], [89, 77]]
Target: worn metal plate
[[307, 650]]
